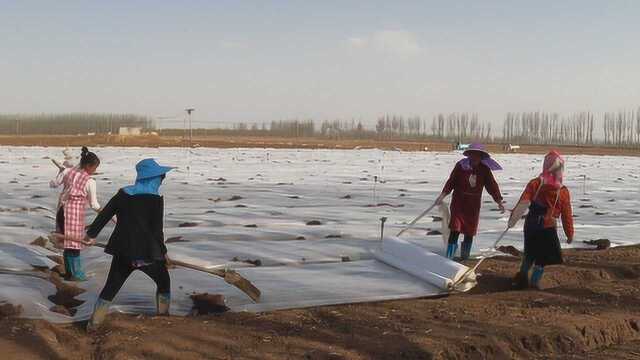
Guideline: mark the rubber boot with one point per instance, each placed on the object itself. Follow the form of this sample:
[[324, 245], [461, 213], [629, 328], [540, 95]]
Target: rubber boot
[[465, 249], [99, 314], [163, 302], [451, 250], [536, 276], [521, 280], [68, 262], [77, 274]]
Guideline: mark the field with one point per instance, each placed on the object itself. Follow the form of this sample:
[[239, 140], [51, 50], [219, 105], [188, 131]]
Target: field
[[589, 309], [223, 141], [250, 202]]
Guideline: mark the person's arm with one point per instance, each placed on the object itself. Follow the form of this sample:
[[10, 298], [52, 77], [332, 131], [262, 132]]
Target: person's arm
[[449, 185], [104, 216], [566, 213], [92, 195], [493, 189]]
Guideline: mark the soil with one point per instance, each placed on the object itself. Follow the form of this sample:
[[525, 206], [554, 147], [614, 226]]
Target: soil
[[227, 141], [589, 308]]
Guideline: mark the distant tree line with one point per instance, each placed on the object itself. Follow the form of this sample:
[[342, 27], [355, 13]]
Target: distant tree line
[[70, 124], [622, 128], [548, 128]]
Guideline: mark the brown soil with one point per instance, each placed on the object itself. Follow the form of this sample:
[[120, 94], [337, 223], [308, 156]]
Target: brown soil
[[226, 141], [590, 308]]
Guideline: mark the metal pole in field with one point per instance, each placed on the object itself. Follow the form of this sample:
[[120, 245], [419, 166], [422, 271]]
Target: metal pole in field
[[189, 111]]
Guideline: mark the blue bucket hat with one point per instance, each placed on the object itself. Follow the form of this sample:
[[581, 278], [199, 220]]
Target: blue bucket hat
[[149, 168]]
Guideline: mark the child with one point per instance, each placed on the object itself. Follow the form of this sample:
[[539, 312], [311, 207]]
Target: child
[[137, 242], [550, 199], [468, 179], [78, 189]]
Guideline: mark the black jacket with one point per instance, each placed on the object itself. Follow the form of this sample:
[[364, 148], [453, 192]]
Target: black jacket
[[139, 232]]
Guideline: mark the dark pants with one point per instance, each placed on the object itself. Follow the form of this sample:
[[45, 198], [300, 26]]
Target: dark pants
[[122, 268], [60, 221]]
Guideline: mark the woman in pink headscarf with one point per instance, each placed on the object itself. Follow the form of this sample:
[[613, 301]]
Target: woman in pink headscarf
[[550, 200], [468, 180]]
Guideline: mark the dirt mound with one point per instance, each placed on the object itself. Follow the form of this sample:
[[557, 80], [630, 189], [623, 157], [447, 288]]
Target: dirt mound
[[10, 310], [204, 304]]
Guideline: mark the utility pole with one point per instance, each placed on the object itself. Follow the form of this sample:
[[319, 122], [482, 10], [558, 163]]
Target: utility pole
[[189, 111]]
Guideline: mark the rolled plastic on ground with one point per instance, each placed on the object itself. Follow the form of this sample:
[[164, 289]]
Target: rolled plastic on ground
[[425, 265]]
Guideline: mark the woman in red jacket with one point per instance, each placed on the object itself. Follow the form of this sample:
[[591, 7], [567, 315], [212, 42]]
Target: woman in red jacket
[[550, 200], [468, 180]]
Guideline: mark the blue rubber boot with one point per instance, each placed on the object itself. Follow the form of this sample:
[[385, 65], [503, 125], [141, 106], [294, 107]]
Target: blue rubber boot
[[68, 265], [163, 302], [77, 274], [536, 276], [465, 249], [451, 250]]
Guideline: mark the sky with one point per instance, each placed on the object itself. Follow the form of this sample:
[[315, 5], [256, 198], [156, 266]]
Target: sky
[[257, 61]]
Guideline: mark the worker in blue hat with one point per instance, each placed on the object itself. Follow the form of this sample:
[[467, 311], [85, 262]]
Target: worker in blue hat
[[137, 242]]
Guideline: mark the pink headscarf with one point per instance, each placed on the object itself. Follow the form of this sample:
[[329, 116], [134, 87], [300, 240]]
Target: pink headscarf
[[552, 169]]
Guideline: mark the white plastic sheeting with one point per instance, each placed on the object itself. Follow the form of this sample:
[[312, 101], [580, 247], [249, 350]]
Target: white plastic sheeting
[[423, 264], [255, 203]]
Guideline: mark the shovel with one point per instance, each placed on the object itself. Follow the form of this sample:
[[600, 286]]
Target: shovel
[[232, 277]]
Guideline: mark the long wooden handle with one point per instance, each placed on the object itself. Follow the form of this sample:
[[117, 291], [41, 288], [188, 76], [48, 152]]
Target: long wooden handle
[[232, 277], [473, 269], [417, 219]]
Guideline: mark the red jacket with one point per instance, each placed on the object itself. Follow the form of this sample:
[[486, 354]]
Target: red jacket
[[467, 187], [557, 201]]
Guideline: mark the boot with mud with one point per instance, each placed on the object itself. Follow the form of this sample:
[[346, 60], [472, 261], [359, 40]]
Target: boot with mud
[[536, 277], [520, 281], [163, 302], [100, 312]]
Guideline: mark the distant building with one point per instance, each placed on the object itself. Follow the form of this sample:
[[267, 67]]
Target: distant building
[[130, 131]]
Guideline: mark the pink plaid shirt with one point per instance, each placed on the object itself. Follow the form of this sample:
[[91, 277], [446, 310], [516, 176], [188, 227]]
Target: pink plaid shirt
[[75, 202]]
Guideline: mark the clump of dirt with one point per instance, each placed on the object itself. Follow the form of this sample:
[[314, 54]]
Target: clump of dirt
[[235, 198], [175, 239], [9, 310], [63, 310], [314, 223], [205, 303], [511, 250], [40, 241], [301, 238], [188, 224], [66, 292], [385, 204], [600, 244], [256, 262]]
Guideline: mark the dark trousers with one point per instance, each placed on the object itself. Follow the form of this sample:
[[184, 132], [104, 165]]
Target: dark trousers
[[122, 268], [60, 221]]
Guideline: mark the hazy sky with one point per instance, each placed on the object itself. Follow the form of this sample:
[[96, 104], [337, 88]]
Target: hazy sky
[[261, 60]]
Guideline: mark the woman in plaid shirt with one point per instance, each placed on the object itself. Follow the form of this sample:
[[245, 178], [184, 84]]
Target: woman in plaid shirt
[[79, 189]]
